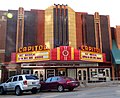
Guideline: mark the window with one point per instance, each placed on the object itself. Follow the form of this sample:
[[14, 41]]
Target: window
[[50, 73], [14, 79], [31, 77], [26, 71], [71, 73], [20, 78], [94, 73], [54, 79], [9, 80], [12, 73], [49, 80], [99, 73]]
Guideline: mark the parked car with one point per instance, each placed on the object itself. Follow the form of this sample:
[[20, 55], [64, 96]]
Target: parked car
[[21, 83], [59, 83]]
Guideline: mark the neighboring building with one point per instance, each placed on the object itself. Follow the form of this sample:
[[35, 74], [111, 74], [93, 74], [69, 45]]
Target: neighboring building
[[60, 41], [117, 36], [116, 50], [2, 34], [2, 39]]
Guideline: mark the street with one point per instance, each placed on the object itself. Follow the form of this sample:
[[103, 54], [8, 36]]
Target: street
[[86, 92]]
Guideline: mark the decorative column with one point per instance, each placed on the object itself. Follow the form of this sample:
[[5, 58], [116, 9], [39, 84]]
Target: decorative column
[[97, 31], [20, 29]]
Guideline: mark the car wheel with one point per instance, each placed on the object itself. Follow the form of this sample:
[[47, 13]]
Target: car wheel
[[71, 89], [60, 88], [2, 91], [18, 91], [34, 91]]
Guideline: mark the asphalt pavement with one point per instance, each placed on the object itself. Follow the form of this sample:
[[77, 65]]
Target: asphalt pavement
[[91, 90]]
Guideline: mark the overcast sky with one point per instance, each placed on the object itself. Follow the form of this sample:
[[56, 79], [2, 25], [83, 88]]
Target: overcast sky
[[104, 7]]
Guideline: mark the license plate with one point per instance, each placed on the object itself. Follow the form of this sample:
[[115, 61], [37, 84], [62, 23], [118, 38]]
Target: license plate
[[33, 82]]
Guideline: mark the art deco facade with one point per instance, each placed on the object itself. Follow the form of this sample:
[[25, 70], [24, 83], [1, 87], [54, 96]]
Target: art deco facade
[[59, 25], [15, 28], [64, 32]]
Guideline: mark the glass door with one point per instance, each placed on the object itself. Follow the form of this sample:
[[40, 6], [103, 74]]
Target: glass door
[[82, 74], [107, 74], [40, 73]]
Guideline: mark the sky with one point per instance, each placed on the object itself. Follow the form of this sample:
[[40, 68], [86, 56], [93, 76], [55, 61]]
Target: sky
[[104, 7]]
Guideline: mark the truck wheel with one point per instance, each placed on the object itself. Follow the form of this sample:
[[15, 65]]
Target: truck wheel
[[34, 91], [2, 91], [18, 91]]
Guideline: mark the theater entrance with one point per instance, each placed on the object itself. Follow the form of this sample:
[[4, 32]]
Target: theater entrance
[[82, 74], [40, 73]]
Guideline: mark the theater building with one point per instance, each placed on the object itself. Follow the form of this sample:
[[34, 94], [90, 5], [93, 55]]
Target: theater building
[[59, 41]]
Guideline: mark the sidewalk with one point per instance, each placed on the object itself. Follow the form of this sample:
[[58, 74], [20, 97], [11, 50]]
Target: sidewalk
[[101, 84]]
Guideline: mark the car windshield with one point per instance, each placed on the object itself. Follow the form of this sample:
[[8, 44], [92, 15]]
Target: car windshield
[[33, 77]]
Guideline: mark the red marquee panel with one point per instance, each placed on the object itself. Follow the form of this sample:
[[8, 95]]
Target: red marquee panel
[[64, 53], [53, 54], [76, 54], [104, 57]]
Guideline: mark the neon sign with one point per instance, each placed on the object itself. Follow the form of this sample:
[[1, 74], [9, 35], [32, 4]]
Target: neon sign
[[32, 48], [90, 49]]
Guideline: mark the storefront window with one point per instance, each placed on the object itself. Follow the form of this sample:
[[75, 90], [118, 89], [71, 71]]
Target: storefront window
[[12, 73], [61, 71], [27, 71], [71, 73], [93, 73], [50, 72], [99, 74]]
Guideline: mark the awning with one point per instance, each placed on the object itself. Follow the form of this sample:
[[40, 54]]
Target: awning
[[115, 53]]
